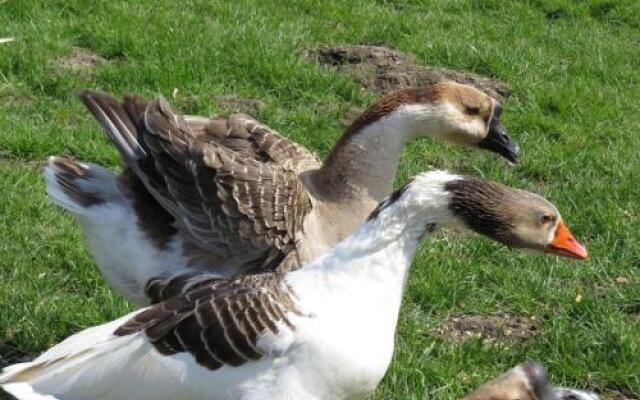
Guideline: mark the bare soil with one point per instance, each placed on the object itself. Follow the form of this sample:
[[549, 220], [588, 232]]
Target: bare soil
[[384, 69], [491, 328], [82, 59], [232, 104]]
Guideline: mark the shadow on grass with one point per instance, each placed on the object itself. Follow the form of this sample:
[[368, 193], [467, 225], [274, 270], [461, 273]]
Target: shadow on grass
[[11, 354]]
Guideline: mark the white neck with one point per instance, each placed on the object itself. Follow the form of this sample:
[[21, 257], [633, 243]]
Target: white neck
[[366, 163], [379, 253]]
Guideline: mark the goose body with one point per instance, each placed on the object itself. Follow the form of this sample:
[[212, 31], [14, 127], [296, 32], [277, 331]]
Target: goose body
[[229, 196], [324, 331]]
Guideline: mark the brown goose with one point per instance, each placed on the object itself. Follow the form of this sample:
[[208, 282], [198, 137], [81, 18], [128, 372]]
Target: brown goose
[[230, 196], [322, 332], [527, 381]]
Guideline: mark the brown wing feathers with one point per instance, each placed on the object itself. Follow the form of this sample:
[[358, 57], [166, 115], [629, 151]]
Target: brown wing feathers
[[219, 322], [116, 121], [232, 187]]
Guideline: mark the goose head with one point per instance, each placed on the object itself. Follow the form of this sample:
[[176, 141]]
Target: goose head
[[527, 381], [453, 112], [511, 216], [514, 217]]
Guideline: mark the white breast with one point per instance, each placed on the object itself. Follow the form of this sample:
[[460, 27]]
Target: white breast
[[348, 343]]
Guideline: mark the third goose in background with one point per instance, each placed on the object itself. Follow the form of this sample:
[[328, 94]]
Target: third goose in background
[[527, 381]]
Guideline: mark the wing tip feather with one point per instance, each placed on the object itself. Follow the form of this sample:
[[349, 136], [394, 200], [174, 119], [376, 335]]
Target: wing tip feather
[[116, 121]]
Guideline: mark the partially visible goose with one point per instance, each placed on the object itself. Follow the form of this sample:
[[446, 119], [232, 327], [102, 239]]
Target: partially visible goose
[[527, 381], [324, 331], [231, 196]]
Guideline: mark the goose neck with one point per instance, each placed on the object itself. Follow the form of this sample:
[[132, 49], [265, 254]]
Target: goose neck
[[364, 162], [386, 243]]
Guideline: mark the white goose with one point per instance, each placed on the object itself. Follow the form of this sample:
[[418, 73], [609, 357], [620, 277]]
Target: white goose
[[527, 381], [230, 196], [325, 331]]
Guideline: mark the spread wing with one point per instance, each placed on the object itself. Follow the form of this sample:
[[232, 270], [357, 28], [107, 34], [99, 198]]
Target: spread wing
[[219, 322], [249, 138], [231, 185]]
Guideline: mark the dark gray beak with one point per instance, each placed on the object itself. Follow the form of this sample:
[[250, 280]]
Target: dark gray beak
[[498, 141]]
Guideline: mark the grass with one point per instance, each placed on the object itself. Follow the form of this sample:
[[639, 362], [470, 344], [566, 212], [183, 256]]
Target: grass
[[573, 67]]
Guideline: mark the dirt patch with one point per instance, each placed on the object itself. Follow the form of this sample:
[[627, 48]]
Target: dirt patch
[[491, 328], [232, 104], [384, 69], [379, 56], [82, 59]]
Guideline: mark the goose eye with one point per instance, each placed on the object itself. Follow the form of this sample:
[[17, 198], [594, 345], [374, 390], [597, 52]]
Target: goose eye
[[471, 110], [547, 218]]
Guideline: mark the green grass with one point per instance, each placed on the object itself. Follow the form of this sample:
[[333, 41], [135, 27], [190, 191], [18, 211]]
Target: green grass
[[574, 70]]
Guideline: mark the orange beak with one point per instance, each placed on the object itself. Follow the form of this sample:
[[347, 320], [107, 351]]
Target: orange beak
[[565, 245]]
